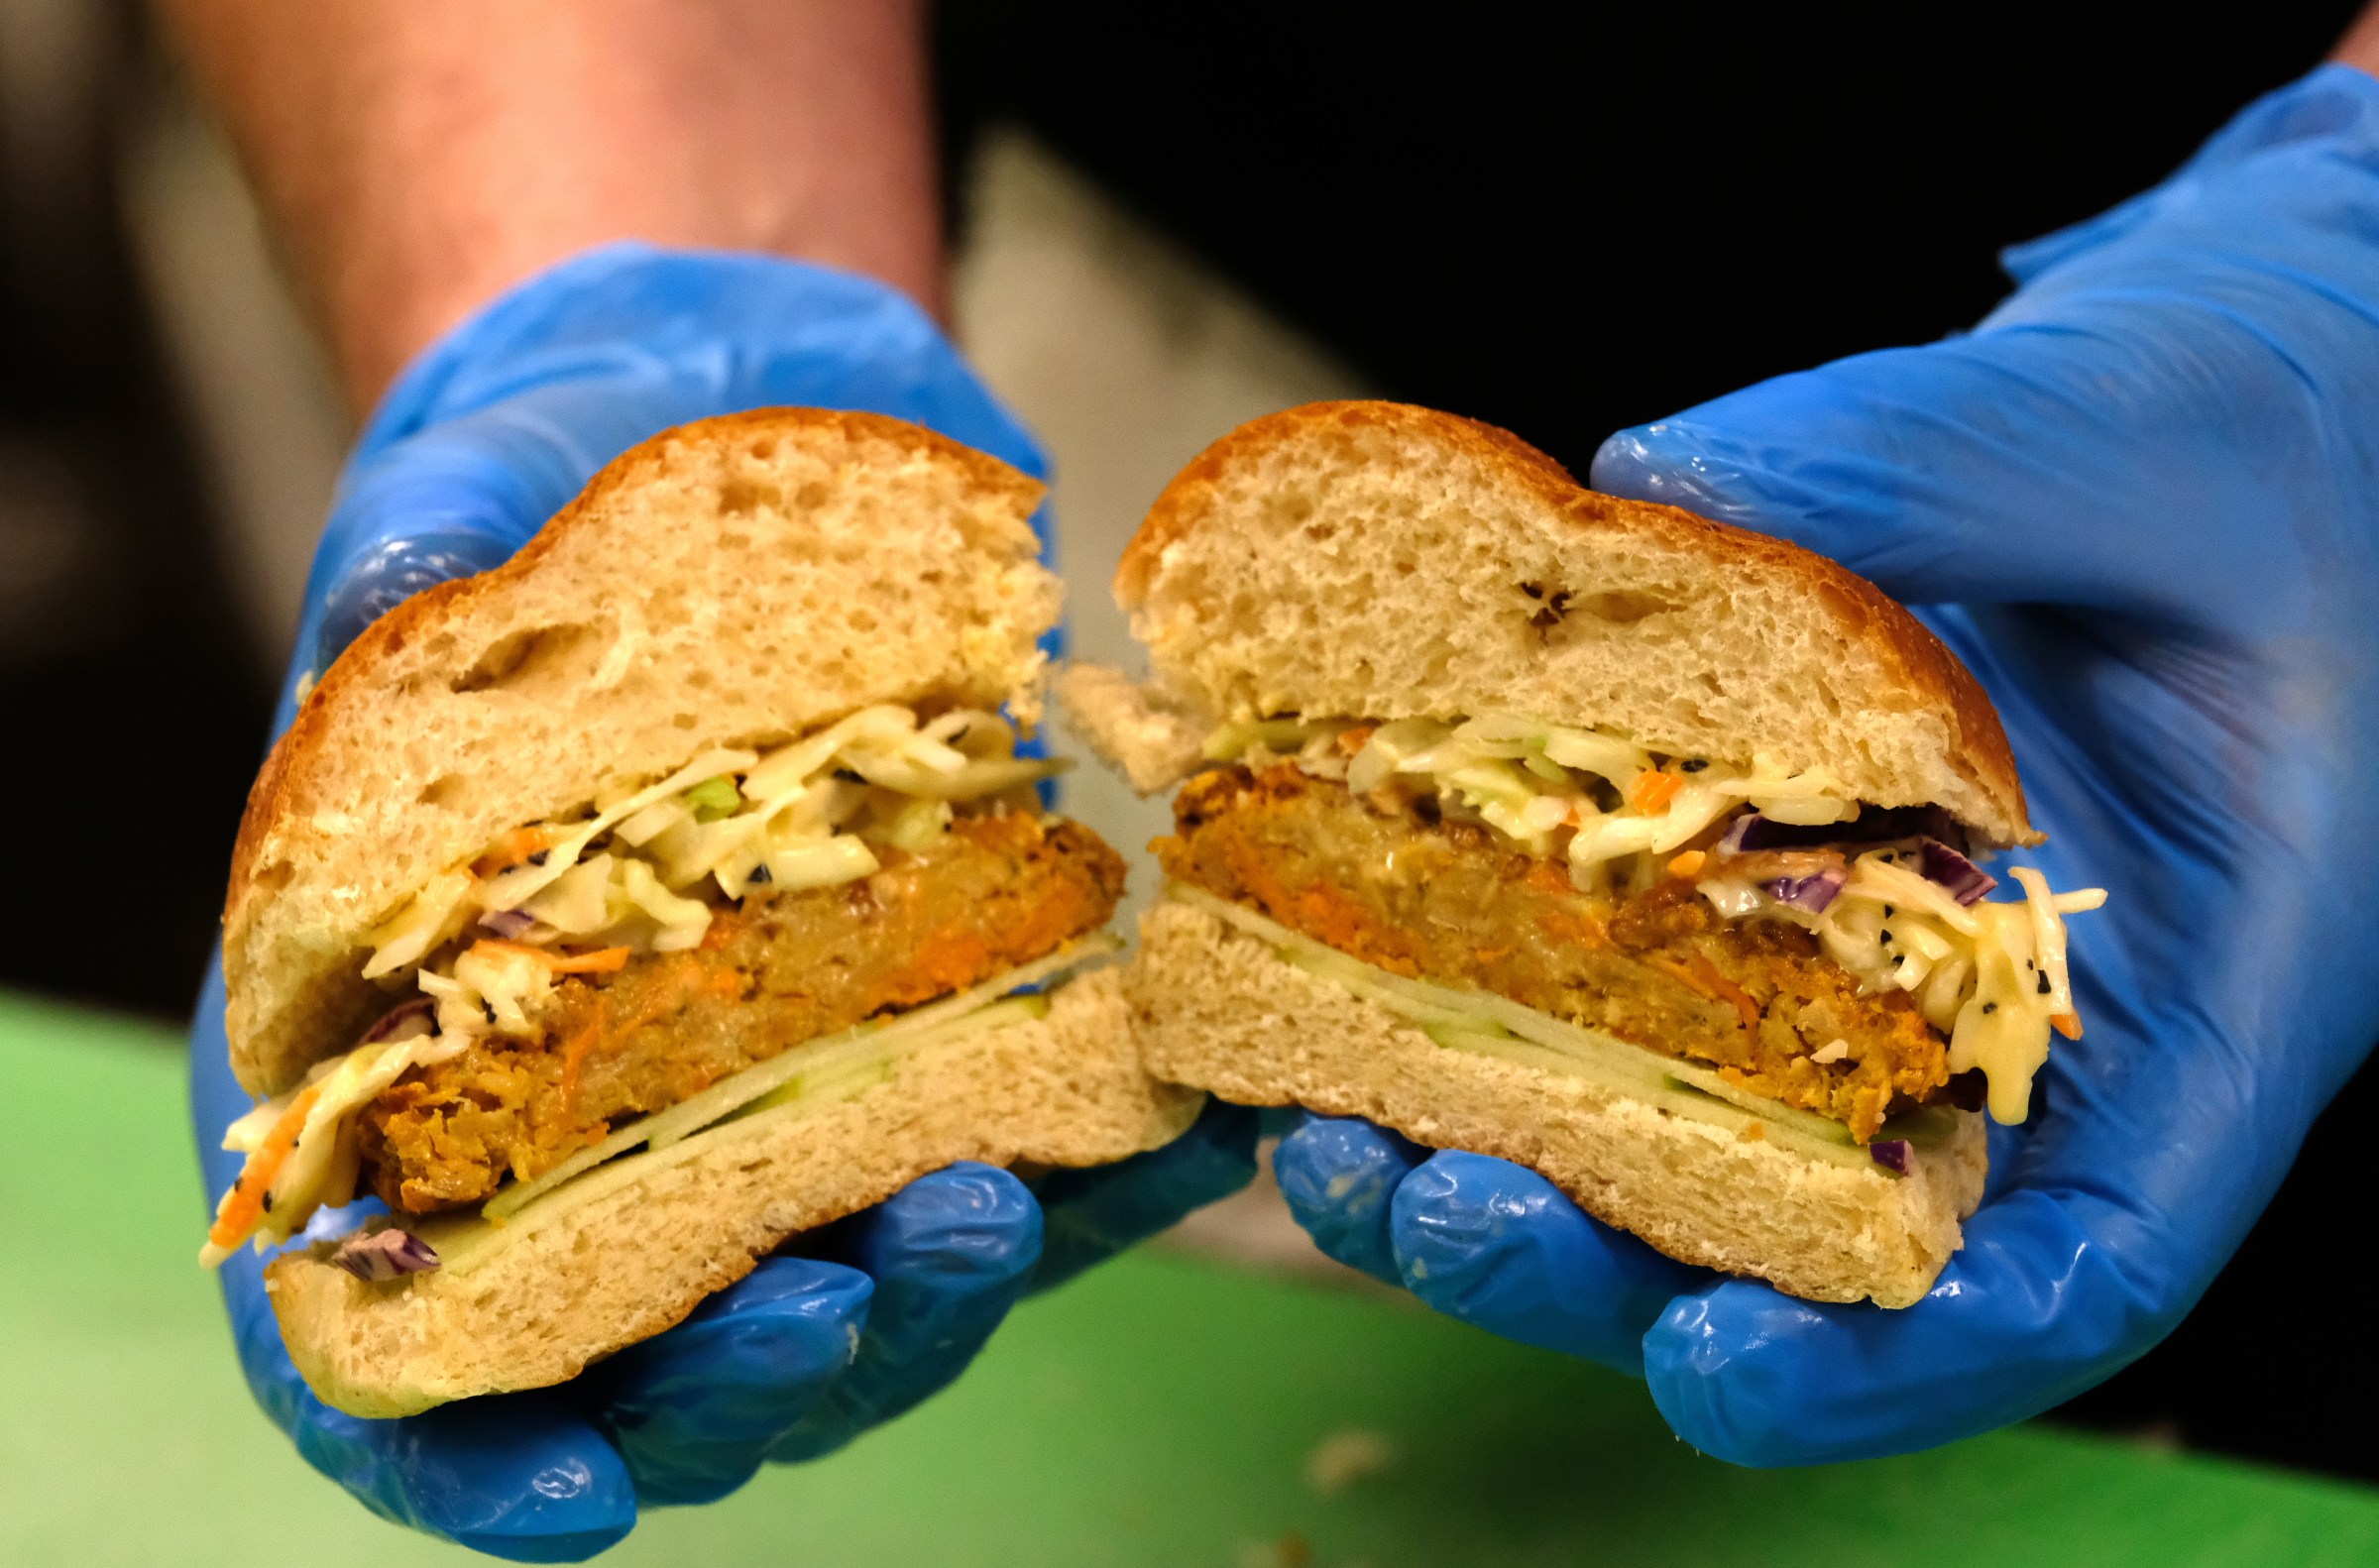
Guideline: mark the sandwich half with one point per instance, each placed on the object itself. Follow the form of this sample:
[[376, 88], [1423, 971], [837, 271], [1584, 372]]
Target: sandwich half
[[672, 888], [1593, 835]]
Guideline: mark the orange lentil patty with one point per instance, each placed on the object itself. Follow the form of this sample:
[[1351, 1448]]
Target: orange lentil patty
[[779, 970], [1396, 887]]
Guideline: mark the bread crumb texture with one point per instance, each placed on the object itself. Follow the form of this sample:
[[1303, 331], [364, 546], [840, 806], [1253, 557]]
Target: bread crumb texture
[[732, 582], [1376, 560], [1217, 1009], [1068, 1091], [1151, 738]]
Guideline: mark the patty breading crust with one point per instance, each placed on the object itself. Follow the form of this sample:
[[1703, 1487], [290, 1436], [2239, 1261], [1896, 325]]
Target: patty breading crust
[[1445, 900], [996, 891]]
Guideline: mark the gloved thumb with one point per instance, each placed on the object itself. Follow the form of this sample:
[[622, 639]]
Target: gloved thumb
[[497, 425], [2023, 465], [453, 500]]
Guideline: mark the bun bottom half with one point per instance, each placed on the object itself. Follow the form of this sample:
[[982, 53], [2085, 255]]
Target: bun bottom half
[[1218, 1009], [535, 1310]]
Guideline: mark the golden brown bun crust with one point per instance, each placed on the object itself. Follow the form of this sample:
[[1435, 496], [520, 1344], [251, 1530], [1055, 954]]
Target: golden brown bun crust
[[1862, 614], [269, 795], [1221, 1011], [730, 583], [569, 1288]]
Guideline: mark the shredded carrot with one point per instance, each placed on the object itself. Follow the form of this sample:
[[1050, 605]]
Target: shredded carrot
[[1687, 864], [1573, 925], [1702, 976], [247, 1203], [1654, 792], [2067, 1024], [1546, 876], [1692, 981], [664, 997], [574, 1054], [1744, 1007], [1320, 910], [511, 850], [1354, 740], [602, 960]]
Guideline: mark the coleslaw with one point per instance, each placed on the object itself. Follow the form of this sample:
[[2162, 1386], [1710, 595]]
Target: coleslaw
[[1901, 912], [485, 941]]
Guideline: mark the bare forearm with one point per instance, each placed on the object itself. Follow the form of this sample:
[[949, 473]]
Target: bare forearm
[[419, 156], [2360, 46]]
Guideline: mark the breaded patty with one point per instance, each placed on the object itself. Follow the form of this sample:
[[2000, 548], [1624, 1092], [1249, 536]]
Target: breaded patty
[[783, 969], [1756, 998]]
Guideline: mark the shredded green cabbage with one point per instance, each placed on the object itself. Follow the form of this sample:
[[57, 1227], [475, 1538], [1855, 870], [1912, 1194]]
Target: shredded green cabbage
[[1993, 978], [642, 873], [1528, 780]]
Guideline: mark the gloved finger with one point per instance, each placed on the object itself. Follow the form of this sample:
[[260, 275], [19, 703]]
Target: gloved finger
[[690, 333], [522, 1476], [1998, 468], [2168, 1129], [1091, 1215], [696, 1410], [2034, 1308], [507, 417], [1500, 1248], [392, 572], [1339, 1176], [454, 501], [949, 1254], [462, 496]]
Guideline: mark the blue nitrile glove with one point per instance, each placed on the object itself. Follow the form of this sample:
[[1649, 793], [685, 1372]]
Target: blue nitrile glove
[[2142, 500], [481, 440]]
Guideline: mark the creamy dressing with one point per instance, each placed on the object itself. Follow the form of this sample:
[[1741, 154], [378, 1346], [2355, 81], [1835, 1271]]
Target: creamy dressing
[[636, 876], [1532, 782], [1990, 976], [486, 939]]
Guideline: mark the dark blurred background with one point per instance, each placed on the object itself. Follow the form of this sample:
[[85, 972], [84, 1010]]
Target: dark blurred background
[[1170, 218], [156, 501]]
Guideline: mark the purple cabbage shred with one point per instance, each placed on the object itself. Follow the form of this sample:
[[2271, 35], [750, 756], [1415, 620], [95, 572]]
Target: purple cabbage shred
[[508, 922], [1893, 1155], [394, 1024], [1965, 880], [380, 1256], [1874, 825], [1812, 893]]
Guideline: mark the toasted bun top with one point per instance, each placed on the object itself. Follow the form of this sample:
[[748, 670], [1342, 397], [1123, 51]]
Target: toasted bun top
[[732, 582], [1376, 560]]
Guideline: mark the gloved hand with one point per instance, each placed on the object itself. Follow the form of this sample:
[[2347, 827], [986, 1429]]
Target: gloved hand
[[480, 441], [2141, 501]]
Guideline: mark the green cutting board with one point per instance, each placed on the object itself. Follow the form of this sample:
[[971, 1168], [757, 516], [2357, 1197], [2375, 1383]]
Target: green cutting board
[[1159, 1412]]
